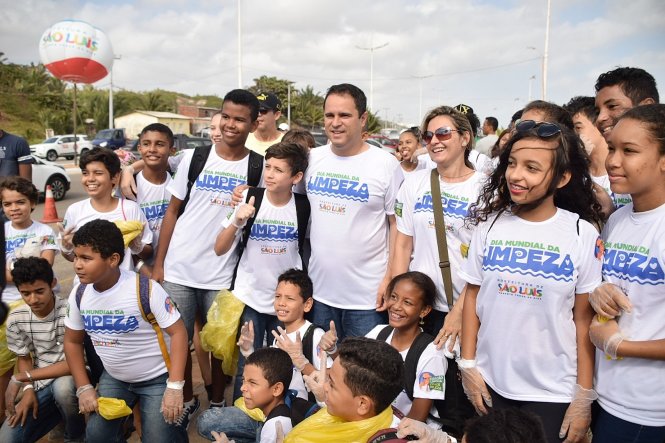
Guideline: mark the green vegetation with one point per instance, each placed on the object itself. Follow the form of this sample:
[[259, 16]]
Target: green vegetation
[[32, 100]]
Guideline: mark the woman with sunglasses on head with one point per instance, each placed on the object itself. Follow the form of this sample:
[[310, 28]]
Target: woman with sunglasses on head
[[630, 371], [448, 136], [534, 258]]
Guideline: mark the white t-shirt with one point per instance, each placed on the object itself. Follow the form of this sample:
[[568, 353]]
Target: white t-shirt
[[191, 259], [261, 147], [153, 200], [619, 200], [269, 429], [419, 165], [529, 274], [351, 198], [126, 344], [313, 355], [633, 389], [272, 248], [415, 217], [430, 382], [37, 235], [82, 212], [485, 144]]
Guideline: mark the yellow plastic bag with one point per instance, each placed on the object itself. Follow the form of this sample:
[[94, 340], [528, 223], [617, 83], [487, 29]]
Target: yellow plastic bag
[[7, 357], [255, 414], [220, 333], [130, 230], [325, 428], [113, 408]]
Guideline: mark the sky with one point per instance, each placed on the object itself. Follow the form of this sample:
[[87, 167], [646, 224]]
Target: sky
[[480, 53]]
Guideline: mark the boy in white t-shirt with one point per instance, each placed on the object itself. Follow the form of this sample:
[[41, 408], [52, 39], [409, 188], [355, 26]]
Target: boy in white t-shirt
[[136, 368], [270, 243], [100, 171]]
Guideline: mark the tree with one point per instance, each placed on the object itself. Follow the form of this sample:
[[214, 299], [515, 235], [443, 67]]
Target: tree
[[373, 123]]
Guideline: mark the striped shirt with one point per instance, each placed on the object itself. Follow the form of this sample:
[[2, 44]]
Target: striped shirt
[[41, 338]]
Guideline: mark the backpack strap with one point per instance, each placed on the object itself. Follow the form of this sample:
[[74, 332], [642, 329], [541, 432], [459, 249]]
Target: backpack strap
[[257, 193], [308, 350], [254, 168], [303, 211], [384, 333], [411, 361], [92, 359], [201, 154], [279, 411], [79, 294], [143, 293]]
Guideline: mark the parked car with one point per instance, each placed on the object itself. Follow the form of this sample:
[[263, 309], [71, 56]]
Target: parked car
[[184, 141], [385, 141], [110, 138], [46, 173], [60, 146], [320, 138], [376, 144]]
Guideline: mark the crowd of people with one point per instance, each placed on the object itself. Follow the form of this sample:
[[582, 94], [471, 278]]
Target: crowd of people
[[505, 288]]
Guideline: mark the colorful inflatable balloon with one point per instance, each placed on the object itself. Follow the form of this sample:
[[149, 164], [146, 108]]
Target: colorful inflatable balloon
[[76, 51]]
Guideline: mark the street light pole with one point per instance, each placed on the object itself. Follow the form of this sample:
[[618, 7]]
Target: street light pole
[[547, 45], [371, 50], [239, 49], [531, 79], [111, 122], [420, 93]]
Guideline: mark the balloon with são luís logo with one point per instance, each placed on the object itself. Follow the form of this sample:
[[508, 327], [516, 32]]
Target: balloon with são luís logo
[[76, 51]]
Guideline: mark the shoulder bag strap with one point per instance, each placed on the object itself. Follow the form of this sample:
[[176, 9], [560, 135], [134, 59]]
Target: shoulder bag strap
[[440, 228]]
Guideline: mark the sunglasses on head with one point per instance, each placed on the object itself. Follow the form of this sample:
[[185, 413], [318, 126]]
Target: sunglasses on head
[[543, 129], [442, 134]]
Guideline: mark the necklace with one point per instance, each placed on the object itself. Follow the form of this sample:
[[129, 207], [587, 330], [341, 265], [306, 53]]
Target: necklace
[[459, 176]]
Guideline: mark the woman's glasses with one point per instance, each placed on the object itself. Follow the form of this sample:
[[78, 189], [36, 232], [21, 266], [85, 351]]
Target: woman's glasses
[[543, 129], [442, 134]]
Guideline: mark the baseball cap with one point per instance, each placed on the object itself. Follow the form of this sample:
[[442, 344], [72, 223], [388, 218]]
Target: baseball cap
[[269, 101]]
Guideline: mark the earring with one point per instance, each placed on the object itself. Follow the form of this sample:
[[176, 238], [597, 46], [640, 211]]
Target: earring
[[422, 321]]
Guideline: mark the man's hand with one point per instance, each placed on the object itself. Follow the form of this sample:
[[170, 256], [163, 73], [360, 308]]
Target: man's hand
[[609, 300], [172, 404], [246, 339], [293, 348], [329, 339], [10, 396], [88, 402], [29, 401]]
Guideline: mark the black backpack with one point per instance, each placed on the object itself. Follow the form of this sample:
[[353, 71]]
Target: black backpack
[[302, 214], [201, 154], [294, 407]]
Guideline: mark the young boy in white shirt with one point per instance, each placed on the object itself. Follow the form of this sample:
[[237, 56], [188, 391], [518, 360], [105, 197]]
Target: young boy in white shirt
[[100, 171], [141, 363], [35, 333], [271, 242]]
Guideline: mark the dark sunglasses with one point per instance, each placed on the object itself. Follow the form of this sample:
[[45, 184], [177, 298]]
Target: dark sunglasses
[[264, 111], [543, 129], [442, 134]]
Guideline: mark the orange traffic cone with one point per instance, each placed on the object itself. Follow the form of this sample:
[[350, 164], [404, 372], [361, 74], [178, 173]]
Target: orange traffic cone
[[50, 212]]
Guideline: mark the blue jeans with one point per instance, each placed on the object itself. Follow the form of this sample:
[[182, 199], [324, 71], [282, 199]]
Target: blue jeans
[[610, 429], [153, 425], [232, 421], [348, 322], [190, 301], [264, 324], [57, 401]]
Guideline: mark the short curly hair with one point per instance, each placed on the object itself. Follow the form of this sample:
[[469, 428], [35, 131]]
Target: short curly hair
[[22, 186], [31, 269], [102, 236]]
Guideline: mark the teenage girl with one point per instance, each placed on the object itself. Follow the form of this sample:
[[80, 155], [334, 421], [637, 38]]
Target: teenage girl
[[533, 260], [409, 142], [631, 385]]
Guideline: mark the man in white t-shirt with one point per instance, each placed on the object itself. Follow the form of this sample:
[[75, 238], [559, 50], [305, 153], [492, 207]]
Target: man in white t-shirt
[[484, 145], [186, 262], [266, 133], [352, 190]]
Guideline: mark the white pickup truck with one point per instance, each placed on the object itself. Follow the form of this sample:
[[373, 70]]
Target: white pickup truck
[[60, 146]]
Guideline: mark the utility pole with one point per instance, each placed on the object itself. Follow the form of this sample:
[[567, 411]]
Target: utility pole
[[371, 50]]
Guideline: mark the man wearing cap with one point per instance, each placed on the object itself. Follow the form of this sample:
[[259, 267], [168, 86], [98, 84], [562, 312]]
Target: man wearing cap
[[266, 134]]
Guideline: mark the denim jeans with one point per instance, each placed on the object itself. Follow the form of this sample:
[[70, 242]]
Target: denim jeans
[[232, 421], [348, 322], [264, 324], [610, 429], [190, 301], [153, 425], [57, 401]]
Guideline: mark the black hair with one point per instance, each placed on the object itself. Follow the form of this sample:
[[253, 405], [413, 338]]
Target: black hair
[[510, 425], [652, 118], [31, 269], [427, 292], [474, 121], [161, 128], [298, 277], [493, 122], [103, 155], [373, 368], [355, 92], [636, 83], [301, 137], [516, 116], [245, 98], [275, 364], [293, 153], [22, 186], [576, 196], [582, 105], [553, 113], [102, 236], [415, 131]]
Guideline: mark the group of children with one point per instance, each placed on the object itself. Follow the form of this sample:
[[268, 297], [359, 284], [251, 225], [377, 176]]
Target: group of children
[[516, 319]]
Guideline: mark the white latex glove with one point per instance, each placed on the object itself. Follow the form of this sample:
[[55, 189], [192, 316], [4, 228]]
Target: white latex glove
[[246, 339], [577, 419], [475, 388], [606, 336], [609, 300], [419, 429]]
